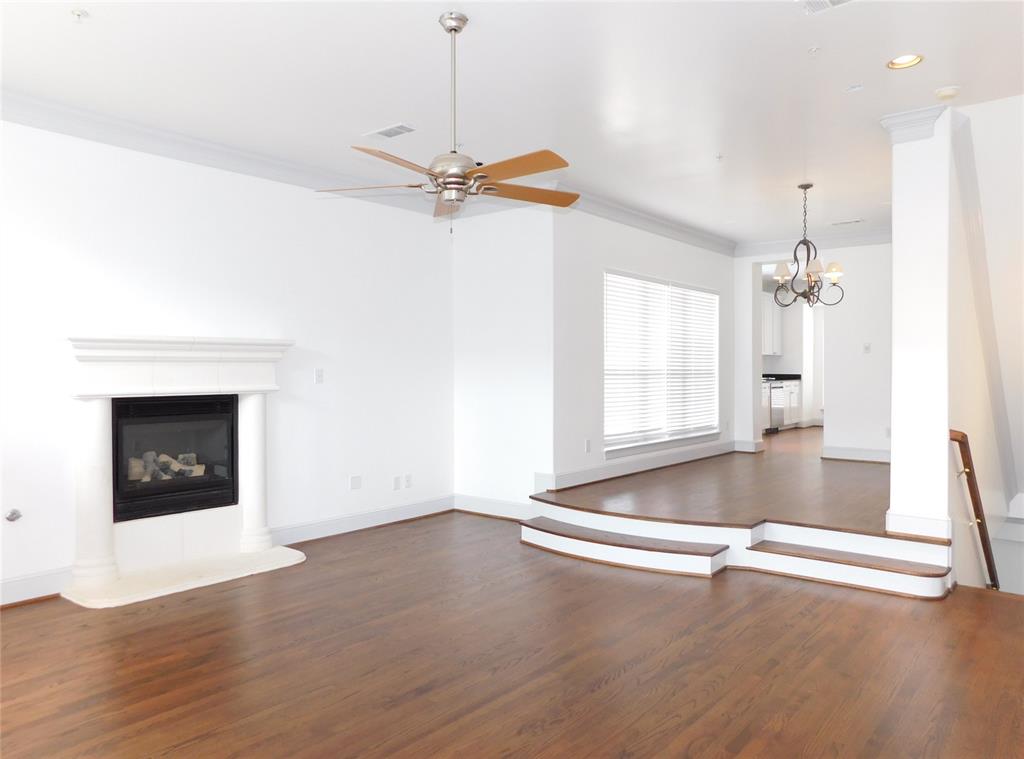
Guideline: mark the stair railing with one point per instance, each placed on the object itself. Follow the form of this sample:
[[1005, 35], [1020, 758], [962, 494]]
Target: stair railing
[[980, 520]]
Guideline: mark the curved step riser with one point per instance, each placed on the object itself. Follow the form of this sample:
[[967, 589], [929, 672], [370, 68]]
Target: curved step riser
[[687, 533], [739, 541], [845, 574], [891, 548], [742, 537], [701, 566]]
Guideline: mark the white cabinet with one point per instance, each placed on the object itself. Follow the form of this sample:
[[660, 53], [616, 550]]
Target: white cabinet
[[771, 326], [792, 408], [766, 406]]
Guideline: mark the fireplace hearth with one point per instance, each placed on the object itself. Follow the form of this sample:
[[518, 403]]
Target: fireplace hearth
[[173, 454]]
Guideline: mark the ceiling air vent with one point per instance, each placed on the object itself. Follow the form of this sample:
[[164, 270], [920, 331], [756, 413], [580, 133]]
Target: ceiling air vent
[[391, 131], [817, 6]]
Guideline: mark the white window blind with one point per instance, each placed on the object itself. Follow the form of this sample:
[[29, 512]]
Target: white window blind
[[660, 361]]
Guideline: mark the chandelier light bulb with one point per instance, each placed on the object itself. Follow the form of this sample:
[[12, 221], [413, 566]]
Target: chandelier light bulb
[[834, 272]]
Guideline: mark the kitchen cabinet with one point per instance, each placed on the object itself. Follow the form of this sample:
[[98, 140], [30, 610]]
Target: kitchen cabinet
[[766, 406], [771, 326], [792, 409]]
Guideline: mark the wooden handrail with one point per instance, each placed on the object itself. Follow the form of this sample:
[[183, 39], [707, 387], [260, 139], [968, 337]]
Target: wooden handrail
[[960, 438]]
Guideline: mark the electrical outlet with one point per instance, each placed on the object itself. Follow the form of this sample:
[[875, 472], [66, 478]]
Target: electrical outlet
[[398, 482], [318, 376], [408, 480], [355, 482], [586, 445], [888, 431]]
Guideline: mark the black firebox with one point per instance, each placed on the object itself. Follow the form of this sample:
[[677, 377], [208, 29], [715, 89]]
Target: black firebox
[[174, 454]]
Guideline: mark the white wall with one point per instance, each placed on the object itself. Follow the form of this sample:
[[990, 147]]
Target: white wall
[[585, 246], [990, 157], [503, 304], [970, 410], [99, 240], [857, 406]]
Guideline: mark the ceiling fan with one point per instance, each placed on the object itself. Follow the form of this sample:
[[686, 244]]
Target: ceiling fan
[[454, 176]]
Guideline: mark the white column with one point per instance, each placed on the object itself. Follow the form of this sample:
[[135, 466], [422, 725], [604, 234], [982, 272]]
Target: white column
[[921, 215], [95, 564], [252, 471]]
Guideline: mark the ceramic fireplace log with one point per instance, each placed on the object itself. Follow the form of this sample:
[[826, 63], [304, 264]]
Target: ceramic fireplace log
[[136, 469]]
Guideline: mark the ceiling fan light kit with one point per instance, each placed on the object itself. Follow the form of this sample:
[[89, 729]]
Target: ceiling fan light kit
[[453, 176], [810, 273]]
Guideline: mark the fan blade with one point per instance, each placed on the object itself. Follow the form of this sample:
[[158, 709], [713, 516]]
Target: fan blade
[[531, 163], [530, 194], [442, 208], [395, 159], [373, 187]]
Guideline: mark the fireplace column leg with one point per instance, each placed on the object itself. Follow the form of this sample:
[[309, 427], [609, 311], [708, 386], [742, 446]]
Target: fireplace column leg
[[95, 564], [252, 465]]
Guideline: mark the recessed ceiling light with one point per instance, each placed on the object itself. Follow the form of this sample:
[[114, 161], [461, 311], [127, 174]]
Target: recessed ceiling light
[[905, 61], [855, 88], [948, 92], [79, 14]]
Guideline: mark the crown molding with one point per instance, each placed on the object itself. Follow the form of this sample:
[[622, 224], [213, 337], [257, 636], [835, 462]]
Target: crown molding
[[775, 248], [75, 122], [609, 209], [912, 125]]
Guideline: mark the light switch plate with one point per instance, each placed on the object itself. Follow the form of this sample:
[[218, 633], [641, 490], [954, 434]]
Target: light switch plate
[[355, 482], [318, 376]]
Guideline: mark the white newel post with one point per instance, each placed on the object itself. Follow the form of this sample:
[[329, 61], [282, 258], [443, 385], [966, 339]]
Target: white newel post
[[921, 215], [95, 564], [252, 475]]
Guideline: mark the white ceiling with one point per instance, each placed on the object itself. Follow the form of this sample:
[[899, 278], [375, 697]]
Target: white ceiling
[[639, 98]]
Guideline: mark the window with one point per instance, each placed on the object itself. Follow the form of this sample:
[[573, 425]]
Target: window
[[660, 361]]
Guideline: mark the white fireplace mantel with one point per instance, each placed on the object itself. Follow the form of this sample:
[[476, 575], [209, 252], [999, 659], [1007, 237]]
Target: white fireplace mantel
[[116, 367], [141, 366]]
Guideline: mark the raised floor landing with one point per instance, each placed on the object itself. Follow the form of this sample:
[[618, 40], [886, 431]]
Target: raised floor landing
[[788, 483]]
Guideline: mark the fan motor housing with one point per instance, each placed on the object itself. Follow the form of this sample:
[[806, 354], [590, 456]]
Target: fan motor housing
[[452, 164]]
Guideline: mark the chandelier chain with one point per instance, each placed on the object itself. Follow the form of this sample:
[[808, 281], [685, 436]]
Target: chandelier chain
[[805, 214]]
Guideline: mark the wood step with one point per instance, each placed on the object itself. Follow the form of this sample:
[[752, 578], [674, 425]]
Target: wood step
[[880, 563], [618, 540]]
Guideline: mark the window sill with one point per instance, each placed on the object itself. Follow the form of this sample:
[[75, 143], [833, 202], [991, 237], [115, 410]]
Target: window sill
[[651, 446]]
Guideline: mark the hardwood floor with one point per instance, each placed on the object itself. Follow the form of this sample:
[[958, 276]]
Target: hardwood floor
[[447, 637], [788, 482]]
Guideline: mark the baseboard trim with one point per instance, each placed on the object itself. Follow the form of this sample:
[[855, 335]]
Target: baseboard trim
[[912, 524], [642, 463], [748, 446], [874, 455], [493, 507], [351, 522], [36, 586], [1016, 506]]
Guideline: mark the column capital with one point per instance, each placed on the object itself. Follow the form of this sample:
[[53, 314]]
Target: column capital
[[912, 125]]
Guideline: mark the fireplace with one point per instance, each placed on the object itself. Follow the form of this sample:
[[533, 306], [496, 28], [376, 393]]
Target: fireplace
[[173, 454]]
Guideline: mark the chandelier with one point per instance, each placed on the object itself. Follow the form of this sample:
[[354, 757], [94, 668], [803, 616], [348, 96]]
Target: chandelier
[[810, 274]]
